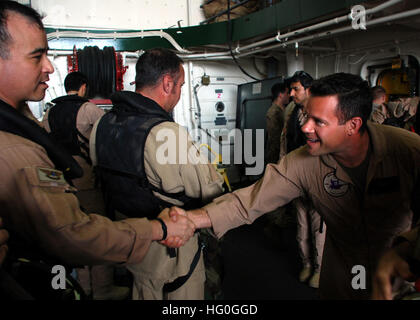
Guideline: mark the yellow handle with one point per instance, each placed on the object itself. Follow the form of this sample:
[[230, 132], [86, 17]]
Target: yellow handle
[[218, 159]]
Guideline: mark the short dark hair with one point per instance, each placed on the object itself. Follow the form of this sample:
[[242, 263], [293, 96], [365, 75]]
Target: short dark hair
[[155, 63], [278, 88], [377, 92], [6, 7], [74, 81], [304, 78], [353, 93]]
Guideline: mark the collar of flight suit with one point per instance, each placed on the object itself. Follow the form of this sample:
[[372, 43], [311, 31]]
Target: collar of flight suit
[[378, 151]]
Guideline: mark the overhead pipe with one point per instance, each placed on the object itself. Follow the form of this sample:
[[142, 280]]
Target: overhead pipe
[[120, 35], [320, 25], [171, 40], [390, 43], [396, 16], [187, 55], [279, 38]]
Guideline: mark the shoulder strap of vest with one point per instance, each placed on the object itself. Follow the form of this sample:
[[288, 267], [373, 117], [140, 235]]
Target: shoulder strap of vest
[[61, 109], [84, 146], [13, 122]]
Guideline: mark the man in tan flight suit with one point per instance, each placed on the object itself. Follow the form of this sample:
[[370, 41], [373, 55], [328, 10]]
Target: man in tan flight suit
[[73, 115], [310, 234], [140, 127], [379, 107], [400, 112], [275, 121], [75, 85], [38, 205], [362, 178]]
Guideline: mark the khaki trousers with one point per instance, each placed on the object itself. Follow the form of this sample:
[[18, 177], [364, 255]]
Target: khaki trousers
[[310, 240], [158, 268]]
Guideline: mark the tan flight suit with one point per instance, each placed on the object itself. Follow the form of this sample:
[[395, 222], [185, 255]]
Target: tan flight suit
[[358, 229], [89, 197], [404, 108], [97, 278], [37, 204], [309, 237], [198, 181], [274, 127], [380, 113]]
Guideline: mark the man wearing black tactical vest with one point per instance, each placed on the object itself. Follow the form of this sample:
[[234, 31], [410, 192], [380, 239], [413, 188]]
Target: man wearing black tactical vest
[[38, 206], [147, 162], [70, 121]]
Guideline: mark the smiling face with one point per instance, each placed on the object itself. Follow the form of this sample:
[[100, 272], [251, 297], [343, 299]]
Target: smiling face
[[26, 70], [322, 128]]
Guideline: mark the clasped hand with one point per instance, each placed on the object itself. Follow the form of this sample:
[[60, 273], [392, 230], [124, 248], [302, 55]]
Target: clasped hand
[[180, 228]]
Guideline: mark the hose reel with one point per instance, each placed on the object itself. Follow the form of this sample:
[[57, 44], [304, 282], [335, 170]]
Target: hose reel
[[103, 68]]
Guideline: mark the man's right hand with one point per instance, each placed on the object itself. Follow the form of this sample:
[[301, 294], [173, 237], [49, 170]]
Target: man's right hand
[[4, 235], [180, 229], [198, 217]]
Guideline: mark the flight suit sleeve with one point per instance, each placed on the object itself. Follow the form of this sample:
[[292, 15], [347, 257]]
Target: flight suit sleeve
[[87, 116], [40, 206], [174, 164], [278, 187]]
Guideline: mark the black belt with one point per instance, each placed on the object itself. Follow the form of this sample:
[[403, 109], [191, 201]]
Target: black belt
[[180, 281]]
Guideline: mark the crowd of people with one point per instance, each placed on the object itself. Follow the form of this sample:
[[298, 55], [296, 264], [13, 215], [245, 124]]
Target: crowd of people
[[90, 190]]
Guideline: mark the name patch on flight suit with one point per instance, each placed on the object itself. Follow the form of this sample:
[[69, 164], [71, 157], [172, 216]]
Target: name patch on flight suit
[[51, 175], [334, 186], [384, 185]]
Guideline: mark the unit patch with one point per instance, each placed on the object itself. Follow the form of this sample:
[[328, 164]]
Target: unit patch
[[51, 175], [334, 186]]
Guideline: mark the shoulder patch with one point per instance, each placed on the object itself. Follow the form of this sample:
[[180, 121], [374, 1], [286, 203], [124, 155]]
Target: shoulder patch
[[334, 186], [51, 175]]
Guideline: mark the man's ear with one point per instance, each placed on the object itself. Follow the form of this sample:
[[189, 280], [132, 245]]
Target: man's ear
[[353, 125], [167, 83], [83, 90]]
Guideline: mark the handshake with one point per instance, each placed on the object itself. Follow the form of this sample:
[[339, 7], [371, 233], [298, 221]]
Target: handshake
[[180, 225]]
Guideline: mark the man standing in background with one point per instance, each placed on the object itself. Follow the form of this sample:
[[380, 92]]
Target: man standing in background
[[275, 121]]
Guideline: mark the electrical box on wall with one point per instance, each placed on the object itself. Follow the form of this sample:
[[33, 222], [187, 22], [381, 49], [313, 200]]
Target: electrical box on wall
[[218, 114]]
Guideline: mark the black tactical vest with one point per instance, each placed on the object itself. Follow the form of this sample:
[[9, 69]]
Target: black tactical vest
[[13, 121], [62, 120], [120, 140]]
